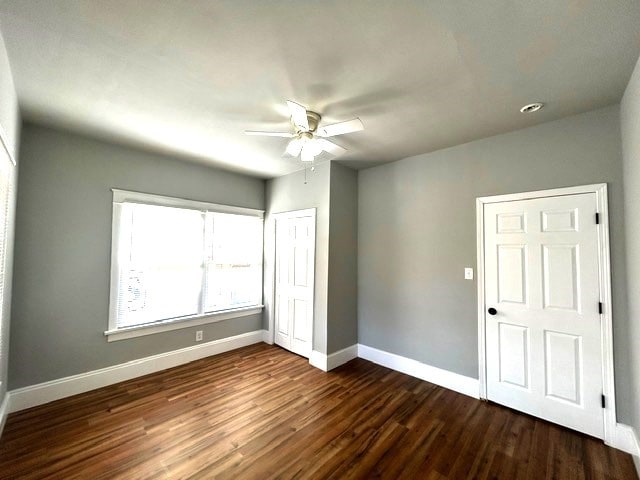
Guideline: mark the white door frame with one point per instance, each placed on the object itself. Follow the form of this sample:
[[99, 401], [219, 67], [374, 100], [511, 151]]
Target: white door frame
[[606, 324], [308, 212]]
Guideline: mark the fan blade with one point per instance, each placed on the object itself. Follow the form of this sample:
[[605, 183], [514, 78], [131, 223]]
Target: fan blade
[[307, 153], [269, 134], [294, 147], [298, 115], [331, 147], [349, 126]]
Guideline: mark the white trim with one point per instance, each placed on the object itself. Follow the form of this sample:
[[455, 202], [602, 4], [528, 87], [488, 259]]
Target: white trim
[[307, 212], [114, 279], [269, 280], [39, 394], [625, 438], [176, 324], [5, 144], [4, 406], [335, 359], [636, 462], [318, 360], [4, 411], [608, 383], [269, 268], [444, 378], [553, 192], [608, 379], [118, 229], [266, 337], [482, 354], [270, 296], [127, 196]]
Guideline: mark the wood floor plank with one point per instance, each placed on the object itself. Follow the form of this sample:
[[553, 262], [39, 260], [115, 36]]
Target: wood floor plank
[[260, 412]]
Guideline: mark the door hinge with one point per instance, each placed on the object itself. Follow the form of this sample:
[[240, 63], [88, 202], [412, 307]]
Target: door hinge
[[600, 308], [597, 218], [602, 398]]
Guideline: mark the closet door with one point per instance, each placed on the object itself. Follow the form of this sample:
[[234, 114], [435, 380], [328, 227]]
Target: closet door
[[295, 259]]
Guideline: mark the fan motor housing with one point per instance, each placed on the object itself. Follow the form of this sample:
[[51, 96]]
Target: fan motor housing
[[313, 119]]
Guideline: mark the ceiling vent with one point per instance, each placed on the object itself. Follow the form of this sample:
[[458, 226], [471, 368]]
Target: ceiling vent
[[532, 107]]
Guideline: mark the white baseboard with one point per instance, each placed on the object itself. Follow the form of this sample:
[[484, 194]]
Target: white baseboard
[[335, 359], [634, 443], [453, 381], [4, 411], [39, 394], [626, 439], [318, 360], [266, 337]]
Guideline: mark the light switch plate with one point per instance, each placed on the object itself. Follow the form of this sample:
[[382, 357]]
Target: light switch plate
[[468, 273]]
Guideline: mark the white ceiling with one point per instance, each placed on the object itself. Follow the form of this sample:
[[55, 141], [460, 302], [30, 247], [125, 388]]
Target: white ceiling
[[187, 77]]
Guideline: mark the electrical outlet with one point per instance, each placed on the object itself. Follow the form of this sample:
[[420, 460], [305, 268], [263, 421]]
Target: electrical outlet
[[468, 273], [199, 336]]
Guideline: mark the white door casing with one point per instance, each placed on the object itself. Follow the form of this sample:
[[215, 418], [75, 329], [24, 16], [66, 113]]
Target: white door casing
[[543, 267], [294, 281]]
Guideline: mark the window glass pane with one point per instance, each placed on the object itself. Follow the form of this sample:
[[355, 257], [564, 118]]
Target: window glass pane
[[171, 263], [161, 263], [234, 261]]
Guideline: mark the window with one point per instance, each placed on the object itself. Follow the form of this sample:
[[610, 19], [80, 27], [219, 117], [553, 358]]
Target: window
[[7, 180], [177, 260]]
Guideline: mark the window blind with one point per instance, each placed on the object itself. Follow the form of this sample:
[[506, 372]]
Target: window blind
[[233, 261], [175, 263], [6, 189]]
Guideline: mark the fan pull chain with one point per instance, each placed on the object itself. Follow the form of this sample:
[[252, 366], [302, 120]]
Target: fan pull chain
[[313, 169]]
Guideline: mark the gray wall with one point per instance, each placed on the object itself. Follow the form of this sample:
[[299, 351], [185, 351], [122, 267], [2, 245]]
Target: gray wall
[[342, 308], [630, 126], [417, 231], [62, 255], [287, 193], [333, 190], [9, 123]]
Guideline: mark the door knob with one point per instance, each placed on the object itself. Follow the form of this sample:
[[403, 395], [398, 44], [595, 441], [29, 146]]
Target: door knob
[[492, 311]]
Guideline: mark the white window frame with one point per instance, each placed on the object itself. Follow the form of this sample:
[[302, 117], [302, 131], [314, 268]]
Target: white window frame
[[11, 179], [124, 196]]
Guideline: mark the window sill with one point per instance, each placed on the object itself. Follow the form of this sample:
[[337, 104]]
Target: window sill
[[150, 329]]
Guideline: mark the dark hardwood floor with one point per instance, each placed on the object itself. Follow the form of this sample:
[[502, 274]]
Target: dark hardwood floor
[[261, 412]]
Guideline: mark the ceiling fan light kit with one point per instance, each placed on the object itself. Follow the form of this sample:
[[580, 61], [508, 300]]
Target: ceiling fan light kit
[[309, 140]]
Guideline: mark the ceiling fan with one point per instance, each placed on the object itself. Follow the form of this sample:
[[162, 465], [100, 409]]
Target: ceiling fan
[[309, 140]]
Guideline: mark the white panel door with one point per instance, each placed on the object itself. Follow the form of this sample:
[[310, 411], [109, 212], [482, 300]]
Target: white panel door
[[542, 322], [295, 258]]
